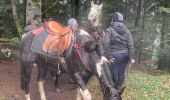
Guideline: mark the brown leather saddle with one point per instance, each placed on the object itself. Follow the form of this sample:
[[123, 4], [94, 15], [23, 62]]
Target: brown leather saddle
[[58, 39]]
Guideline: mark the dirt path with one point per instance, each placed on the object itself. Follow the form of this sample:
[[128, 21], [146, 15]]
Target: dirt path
[[10, 84]]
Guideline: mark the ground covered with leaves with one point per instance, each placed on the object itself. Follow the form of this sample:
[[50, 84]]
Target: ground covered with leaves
[[140, 86]]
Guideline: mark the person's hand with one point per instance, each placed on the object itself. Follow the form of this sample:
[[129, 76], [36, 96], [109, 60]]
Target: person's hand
[[132, 61], [111, 60]]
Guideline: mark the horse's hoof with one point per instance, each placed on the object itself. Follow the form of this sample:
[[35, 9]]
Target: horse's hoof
[[58, 90]]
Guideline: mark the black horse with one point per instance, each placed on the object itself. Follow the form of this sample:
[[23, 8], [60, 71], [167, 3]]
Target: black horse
[[83, 60]]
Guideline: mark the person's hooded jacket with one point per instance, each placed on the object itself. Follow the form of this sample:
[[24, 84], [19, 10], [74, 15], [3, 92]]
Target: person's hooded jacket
[[117, 38]]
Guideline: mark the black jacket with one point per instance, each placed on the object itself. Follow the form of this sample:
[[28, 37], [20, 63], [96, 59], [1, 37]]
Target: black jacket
[[118, 39]]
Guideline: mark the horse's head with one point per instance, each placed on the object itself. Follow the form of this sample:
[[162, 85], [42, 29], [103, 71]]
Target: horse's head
[[95, 14]]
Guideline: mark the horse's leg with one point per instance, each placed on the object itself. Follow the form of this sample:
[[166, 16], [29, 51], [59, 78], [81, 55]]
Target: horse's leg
[[56, 83], [79, 95], [42, 70], [103, 74], [26, 69], [55, 77], [82, 93], [41, 90]]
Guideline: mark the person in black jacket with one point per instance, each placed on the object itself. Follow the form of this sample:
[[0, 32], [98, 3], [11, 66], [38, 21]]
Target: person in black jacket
[[119, 49]]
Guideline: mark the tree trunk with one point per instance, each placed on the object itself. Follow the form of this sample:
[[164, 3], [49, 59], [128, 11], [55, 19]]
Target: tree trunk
[[118, 5], [33, 10], [25, 3], [16, 18], [142, 13], [161, 60], [73, 8], [126, 11], [77, 9], [138, 13], [44, 7]]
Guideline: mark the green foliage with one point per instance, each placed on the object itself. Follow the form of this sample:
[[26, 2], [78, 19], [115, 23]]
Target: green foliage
[[7, 25], [166, 10], [36, 1], [14, 41], [163, 3]]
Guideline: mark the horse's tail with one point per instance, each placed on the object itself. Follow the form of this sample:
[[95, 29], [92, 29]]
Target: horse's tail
[[25, 71], [23, 76], [26, 61]]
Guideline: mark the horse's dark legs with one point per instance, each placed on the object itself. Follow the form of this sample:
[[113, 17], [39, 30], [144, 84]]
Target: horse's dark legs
[[103, 74], [42, 70], [55, 77], [26, 69], [82, 91], [62, 68], [56, 82]]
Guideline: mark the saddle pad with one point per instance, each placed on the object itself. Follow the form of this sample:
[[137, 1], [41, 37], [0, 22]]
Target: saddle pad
[[37, 44]]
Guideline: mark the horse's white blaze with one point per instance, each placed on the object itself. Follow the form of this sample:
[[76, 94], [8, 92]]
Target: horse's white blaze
[[99, 65], [41, 90], [83, 32], [86, 94], [27, 96]]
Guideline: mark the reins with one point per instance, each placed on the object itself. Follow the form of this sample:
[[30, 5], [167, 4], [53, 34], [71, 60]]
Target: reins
[[77, 47]]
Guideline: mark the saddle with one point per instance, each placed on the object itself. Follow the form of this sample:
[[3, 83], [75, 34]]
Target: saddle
[[58, 39]]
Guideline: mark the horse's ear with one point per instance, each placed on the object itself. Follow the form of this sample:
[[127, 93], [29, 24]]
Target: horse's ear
[[92, 3], [101, 6]]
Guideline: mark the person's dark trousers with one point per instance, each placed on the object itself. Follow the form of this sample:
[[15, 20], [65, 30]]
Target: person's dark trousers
[[118, 70]]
